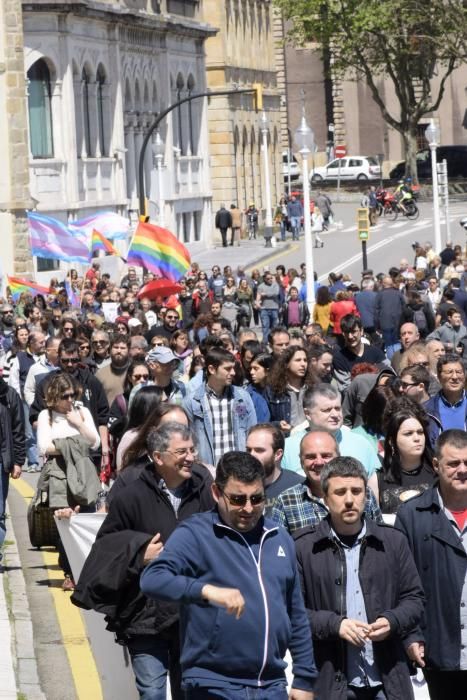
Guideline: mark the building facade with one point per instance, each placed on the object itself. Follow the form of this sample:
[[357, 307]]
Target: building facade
[[98, 73], [240, 55]]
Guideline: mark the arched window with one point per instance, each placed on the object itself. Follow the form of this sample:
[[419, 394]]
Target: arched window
[[86, 114], [40, 111], [100, 111]]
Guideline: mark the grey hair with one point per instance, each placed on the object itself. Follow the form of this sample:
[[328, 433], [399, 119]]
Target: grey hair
[[327, 390], [158, 439], [98, 333], [344, 467]]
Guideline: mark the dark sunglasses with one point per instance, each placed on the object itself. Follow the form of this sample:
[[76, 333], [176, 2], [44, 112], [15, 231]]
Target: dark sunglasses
[[240, 500], [140, 376], [69, 360], [66, 397]]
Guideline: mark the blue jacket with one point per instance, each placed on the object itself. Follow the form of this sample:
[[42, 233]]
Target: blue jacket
[[259, 402], [442, 564], [366, 302], [215, 645], [199, 415]]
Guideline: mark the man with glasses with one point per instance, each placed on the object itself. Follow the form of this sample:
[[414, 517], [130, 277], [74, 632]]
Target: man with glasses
[[140, 519], [235, 576], [448, 408], [435, 524], [415, 382], [93, 396], [168, 327]]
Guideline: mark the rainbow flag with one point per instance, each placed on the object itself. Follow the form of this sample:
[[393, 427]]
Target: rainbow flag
[[98, 242], [18, 286], [159, 251], [73, 297], [50, 238], [111, 225]]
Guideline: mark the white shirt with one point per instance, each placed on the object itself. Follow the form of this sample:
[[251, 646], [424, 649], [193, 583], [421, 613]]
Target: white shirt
[[61, 428]]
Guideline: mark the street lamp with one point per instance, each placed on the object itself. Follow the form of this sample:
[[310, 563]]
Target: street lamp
[[305, 139], [264, 126], [158, 148], [432, 136]]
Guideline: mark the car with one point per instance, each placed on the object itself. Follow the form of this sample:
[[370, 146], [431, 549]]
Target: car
[[360, 168], [295, 170], [455, 156]]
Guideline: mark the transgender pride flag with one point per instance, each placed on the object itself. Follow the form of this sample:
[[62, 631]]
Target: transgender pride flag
[[52, 239], [112, 226]]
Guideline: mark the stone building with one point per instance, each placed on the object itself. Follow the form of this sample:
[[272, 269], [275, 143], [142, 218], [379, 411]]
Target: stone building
[[97, 74], [14, 174], [240, 54]]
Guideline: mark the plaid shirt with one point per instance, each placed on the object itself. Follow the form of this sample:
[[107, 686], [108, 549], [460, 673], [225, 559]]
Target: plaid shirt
[[296, 508], [220, 408], [175, 496]]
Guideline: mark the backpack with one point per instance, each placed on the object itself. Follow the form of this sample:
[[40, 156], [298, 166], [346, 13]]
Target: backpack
[[419, 319]]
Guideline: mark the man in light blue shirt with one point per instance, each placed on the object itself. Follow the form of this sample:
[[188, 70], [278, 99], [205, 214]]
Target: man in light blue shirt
[[322, 406]]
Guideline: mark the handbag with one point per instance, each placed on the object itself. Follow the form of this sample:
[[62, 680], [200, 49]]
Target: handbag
[[42, 527]]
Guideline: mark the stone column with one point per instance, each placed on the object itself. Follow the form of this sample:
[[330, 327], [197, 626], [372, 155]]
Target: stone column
[[14, 138]]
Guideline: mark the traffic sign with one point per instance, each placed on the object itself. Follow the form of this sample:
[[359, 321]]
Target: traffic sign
[[340, 151]]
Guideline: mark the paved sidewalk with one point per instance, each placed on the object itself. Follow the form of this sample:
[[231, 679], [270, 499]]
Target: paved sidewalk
[[248, 254], [18, 668]]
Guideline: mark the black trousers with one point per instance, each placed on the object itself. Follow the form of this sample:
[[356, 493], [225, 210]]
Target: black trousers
[[224, 236], [366, 693], [444, 685]]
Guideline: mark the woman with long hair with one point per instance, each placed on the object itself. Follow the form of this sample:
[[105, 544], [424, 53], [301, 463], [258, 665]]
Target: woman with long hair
[[181, 346], [137, 373], [407, 463], [258, 369], [20, 343], [322, 309], [64, 417], [244, 299], [290, 376], [141, 405]]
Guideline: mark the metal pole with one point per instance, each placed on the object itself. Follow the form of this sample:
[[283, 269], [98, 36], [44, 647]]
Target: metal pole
[[434, 177], [338, 182], [289, 151], [160, 185], [446, 201], [162, 115], [267, 184], [310, 277], [364, 256]]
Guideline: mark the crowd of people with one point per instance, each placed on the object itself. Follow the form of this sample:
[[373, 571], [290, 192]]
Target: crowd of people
[[246, 454]]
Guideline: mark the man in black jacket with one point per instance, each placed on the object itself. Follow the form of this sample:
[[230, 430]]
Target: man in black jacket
[[362, 592], [12, 445], [436, 526], [141, 517], [223, 223]]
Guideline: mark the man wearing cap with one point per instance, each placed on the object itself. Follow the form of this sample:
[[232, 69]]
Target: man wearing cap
[[162, 364]]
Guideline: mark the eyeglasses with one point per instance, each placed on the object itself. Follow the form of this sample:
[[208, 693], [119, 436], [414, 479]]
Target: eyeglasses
[[140, 376], [172, 318], [69, 360], [84, 347], [420, 364], [68, 328], [100, 342], [453, 372], [183, 452], [239, 500], [406, 385], [68, 397]]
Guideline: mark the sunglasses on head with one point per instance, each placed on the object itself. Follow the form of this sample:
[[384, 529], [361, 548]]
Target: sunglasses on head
[[240, 499]]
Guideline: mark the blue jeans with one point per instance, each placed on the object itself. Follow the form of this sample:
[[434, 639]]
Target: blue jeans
[[391, 342], [295, 226], [269, 319], [278, 691], [152, 657], [283, 229], [4, 484], [31, 439]]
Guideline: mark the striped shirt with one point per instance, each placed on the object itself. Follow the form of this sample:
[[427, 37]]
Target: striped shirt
[[297, 507]]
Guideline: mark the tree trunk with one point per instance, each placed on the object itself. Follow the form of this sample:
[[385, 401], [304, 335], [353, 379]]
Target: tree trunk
[[410, 146]]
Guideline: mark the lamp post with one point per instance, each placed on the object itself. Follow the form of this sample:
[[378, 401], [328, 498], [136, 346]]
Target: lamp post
[[305, 139], [264, 125], [432, 136], [158, 148]]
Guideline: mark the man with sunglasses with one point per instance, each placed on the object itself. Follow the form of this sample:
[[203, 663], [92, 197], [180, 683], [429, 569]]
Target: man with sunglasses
[[235, 575], [415, 383], [168, 327]]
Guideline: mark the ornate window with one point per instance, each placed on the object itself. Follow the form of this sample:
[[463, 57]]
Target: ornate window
[[86, 114], [101, 111], [40, 111]]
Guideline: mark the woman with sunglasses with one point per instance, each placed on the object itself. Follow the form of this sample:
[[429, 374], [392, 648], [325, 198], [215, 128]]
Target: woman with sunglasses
[[68, 328], [137, 374], [64, 417]]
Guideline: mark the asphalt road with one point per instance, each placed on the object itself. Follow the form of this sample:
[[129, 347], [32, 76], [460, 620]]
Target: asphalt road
[[388, 243]]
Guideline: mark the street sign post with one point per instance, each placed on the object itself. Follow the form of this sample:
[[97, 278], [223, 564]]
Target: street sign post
[[340, 152], [363, 229]]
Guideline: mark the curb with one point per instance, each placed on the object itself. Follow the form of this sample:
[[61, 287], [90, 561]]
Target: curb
[[268, 252], [24, 665]]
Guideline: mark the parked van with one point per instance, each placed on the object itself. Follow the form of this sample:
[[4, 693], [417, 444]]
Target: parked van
[[456, 157]]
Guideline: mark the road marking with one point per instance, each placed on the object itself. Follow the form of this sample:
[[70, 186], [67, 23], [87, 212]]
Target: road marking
[[72, 628], [278, 254]]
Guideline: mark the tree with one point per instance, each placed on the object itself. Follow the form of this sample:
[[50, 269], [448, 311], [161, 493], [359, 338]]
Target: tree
[[416, 44]]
